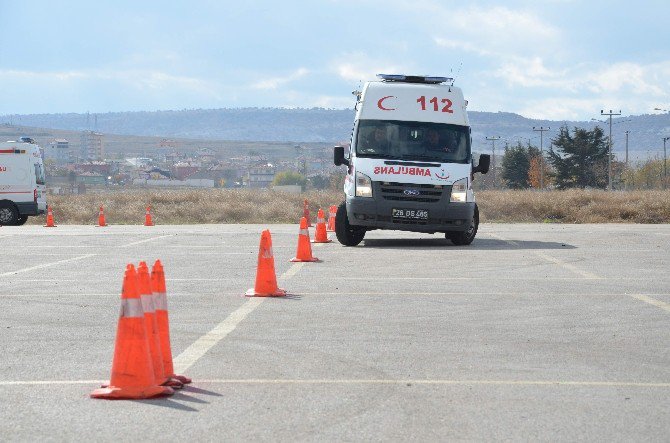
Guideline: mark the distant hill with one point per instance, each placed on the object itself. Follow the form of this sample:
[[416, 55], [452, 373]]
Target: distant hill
[[319, 125]]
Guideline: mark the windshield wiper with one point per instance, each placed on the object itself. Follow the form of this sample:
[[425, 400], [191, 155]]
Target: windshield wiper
[[385, 156], [421, 157]]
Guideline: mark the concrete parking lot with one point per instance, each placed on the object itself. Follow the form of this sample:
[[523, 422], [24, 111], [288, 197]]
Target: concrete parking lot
[[534, 332]]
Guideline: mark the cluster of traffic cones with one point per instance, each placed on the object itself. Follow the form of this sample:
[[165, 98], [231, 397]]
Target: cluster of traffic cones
[[266, 277], [142, 364], [102, 222]]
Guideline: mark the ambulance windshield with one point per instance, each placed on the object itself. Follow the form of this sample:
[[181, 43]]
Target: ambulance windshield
[[438, 142]]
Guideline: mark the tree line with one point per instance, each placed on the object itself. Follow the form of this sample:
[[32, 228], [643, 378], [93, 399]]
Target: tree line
[[575, 159]]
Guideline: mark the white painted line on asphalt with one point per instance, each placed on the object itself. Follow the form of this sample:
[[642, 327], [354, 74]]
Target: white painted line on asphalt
[[568, 266], [51, 382], [561, 263], [200, 347], [652, 301], [251, 381], [46, 265], [197, 349], [145, 241], [488, 278], [445, 382]]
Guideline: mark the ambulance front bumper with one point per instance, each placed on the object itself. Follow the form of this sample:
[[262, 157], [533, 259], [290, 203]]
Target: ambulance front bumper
[[378, 212]]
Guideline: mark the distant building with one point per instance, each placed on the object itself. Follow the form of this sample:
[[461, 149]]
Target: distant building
[[260, 176], [92, 146], [182, 170], [91, 178], [58, 151], [102, 168]]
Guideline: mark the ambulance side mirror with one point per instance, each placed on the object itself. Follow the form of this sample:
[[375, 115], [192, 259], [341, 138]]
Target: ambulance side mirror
[[338, 156], [483, 165]]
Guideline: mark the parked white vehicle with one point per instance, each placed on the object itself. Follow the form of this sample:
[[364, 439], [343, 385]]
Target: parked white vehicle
[[410, 163], [22, 186]]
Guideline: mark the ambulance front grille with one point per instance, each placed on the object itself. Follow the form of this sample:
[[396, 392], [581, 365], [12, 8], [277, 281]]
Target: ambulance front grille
[[409, 192]]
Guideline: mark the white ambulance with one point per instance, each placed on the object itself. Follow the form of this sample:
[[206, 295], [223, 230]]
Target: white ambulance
[[22, 187], [410, 164]]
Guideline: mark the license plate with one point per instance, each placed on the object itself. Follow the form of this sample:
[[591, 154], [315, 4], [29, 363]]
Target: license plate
[[411, 214]]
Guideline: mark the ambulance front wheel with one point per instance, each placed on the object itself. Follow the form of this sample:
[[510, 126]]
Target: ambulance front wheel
[[346, 234], [466, 237], [9, 215]]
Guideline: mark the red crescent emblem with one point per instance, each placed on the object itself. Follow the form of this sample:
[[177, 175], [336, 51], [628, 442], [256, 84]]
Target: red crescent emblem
[[380, 103]]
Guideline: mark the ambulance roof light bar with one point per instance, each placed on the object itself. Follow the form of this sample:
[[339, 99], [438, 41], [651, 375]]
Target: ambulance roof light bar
[[414, 78]]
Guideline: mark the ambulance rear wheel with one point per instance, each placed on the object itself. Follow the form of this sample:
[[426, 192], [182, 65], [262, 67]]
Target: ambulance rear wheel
[[466, 237], [346, 234], [9, 215], [22, 220]]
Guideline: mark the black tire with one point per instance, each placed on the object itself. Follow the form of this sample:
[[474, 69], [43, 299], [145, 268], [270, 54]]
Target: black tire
[[466, 237], [22, 220], [346, 234], [9, 215]]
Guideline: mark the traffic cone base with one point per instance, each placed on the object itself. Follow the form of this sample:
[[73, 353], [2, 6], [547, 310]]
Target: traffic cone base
[[298, 260], [322, 241], [182, 378], [112, 392], [277, 293]]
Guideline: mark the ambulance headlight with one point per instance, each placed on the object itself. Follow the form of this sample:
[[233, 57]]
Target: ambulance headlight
[[363, 185], [459, 191]]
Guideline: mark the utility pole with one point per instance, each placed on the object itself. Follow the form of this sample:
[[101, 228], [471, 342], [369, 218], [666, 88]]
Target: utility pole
[[627, 132], [626, 167], [609, 151], [665, 165], [493, 149], [541, 130]]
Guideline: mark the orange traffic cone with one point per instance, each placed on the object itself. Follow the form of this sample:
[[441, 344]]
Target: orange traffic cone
[[160, 301], [332, 212], [101, 218], [144, 282], [304, 247], [50, 218], [320, 236], [132, 370], [266, 278], [305, 213], [147, 217]]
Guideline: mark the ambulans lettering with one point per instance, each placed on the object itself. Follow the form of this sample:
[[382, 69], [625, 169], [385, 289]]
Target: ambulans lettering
[[3, 168], [401, 170]]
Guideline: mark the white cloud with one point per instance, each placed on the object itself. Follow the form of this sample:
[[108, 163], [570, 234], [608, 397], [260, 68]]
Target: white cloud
[[275, 82], [497, 31], [359, 66]]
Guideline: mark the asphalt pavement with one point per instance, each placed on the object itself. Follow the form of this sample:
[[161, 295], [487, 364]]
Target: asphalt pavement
[[533, 332]]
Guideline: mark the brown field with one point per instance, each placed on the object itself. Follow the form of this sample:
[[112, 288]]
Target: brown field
[[265, 206]]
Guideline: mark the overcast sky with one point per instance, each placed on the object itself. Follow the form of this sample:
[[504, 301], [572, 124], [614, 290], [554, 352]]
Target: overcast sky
[[554, 59]]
